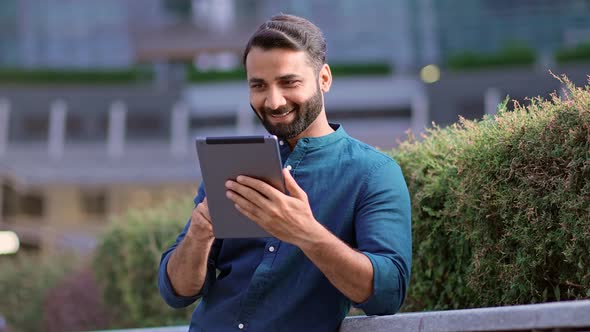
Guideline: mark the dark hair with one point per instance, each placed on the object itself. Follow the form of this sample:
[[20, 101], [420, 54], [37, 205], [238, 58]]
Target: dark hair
[[290, 32]]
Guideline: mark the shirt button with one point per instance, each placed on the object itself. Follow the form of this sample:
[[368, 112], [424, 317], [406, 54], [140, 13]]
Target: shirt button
[[241, 326], [271, 249], [289, 167], [281, 142]]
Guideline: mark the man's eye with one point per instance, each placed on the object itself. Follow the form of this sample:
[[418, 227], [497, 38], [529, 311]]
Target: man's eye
[[291, 82]]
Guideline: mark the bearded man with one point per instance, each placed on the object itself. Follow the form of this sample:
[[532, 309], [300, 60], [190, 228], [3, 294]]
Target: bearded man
[[341, 237]]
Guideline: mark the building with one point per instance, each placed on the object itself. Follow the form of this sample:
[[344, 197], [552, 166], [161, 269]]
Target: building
[[74, 155]]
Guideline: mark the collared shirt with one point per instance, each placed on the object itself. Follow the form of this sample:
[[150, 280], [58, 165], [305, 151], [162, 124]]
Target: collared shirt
[[264, 284]]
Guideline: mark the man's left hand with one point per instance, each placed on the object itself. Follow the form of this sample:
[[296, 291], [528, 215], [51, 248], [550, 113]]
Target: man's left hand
[[288, 218]]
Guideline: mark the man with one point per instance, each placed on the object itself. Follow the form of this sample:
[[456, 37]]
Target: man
[[342, 236]]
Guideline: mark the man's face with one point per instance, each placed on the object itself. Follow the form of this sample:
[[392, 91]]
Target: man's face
[[284, 90]]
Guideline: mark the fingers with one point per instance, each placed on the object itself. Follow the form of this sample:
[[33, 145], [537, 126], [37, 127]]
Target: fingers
[[205, 209], [252, 190], [202, 211], [292, 186], [260, 186], [243, 205], [201, 226]]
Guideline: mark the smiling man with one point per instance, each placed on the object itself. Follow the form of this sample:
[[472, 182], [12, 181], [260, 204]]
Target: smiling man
[[343, 235]]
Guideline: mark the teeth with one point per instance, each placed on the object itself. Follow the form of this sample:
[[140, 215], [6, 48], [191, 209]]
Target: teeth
[[280, 115]]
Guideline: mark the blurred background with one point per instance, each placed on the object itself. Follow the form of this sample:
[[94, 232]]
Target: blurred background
[[100, 100]]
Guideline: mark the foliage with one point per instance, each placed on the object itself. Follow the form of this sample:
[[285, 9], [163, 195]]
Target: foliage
[[580, 53], [511, 55], [69, 76], [338, 70], [75, 305], [501, 207], [126, 265], [24, 282], [196, 76], [360, 69]]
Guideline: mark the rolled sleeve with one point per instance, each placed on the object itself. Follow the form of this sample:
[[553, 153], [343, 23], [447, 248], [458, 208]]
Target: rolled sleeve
[[165, 286], [384, 235], [167, 291]]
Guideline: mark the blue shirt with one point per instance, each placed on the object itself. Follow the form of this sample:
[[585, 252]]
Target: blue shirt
[[264, 284]]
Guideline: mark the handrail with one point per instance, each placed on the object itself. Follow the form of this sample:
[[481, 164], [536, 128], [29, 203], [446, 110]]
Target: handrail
[[570, 315]]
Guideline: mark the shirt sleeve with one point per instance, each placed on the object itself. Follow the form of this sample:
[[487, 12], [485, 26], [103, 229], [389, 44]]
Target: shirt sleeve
[[166, 290], [384, 235]]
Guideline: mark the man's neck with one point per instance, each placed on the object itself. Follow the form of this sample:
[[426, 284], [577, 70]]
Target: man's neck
[[318, 128]]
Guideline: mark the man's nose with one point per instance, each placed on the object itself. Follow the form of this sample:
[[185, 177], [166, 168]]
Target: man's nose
[[274, 99]]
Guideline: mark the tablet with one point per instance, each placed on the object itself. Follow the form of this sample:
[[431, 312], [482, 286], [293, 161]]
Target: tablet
[[224, 158]]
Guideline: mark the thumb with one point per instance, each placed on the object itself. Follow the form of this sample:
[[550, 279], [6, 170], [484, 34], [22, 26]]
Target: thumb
[[292, 185]]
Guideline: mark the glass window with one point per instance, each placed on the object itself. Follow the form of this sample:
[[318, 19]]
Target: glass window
[[94, 203]]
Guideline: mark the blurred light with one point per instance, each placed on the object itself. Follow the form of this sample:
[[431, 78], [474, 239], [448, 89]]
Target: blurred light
[[430, 74], [9, 243]]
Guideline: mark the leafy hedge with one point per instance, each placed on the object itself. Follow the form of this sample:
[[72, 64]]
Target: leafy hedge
[[580, 53], [126, 265], [338, 70], [511, 55], [68, 76], [25, 280], [501, 207]]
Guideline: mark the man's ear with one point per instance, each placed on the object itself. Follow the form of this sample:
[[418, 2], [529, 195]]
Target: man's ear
[[325, 78]]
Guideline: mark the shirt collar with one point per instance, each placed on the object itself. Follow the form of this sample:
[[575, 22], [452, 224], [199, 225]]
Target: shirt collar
[[317, 142]]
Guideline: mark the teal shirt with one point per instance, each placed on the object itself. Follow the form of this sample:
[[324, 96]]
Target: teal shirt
[[356, 192]]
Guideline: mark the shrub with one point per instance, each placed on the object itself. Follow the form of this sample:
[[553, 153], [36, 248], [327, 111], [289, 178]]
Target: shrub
[[501, 207], [338, 69], [580, 53], [126, 265], [511, 55], [69, 76], [360, 69], [24, 282], [75, 305]]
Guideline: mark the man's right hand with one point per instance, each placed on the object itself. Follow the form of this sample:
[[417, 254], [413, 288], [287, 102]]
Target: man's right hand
[[201, 227], [187, 267]]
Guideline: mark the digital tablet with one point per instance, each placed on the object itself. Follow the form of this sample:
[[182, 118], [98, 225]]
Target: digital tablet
[[224, 158]]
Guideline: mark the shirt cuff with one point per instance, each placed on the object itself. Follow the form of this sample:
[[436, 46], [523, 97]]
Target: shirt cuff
[[386, 298], [167, 291]]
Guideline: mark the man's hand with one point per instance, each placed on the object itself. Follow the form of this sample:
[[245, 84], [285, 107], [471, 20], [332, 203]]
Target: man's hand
[[201, 227], [187, 267], [288, 218]]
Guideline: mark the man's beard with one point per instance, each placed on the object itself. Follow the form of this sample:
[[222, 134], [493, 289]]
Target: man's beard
[[305, 115]]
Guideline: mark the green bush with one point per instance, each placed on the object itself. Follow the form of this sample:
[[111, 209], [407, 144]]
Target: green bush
[[126, 265], [501, 207], [580, 53], [338, 70], [25, 281], [196, 76], [511, 55], [360, 69], [66, 76]]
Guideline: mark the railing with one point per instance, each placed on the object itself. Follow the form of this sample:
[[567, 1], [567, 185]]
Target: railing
[[557, 316]]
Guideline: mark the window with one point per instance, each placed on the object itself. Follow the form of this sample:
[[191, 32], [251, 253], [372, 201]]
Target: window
[[31, 204], [94, 203]]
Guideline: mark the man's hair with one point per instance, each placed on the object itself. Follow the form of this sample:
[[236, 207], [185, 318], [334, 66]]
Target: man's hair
[[293, 33]]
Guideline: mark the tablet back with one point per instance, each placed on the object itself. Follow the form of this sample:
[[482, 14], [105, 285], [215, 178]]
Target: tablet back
[[224, 158]]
